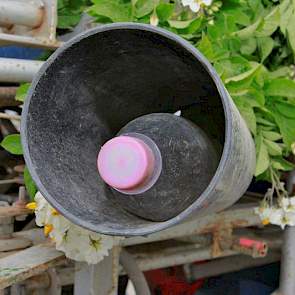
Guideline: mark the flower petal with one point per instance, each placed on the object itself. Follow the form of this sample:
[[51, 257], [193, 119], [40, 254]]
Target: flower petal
[[187, 2], [194, 6]]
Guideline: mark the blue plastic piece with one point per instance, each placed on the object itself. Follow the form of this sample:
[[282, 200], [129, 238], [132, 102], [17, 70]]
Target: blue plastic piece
[[20, 52]]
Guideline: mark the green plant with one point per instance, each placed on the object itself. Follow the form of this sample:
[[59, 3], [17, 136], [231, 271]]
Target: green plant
[[251, 45], [70, 12], [12, 144]]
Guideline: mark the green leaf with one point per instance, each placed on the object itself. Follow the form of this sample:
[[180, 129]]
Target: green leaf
[[286, 109], [249, 116], [280, 87], [257, 95], [249, 31], [113, 9], [248, 46], [291, 32], [262, 157], [29, 183], [281, 164], [273, 148], [67, 19], [194, 26], [12, 144], [22, 91], [265, 122], [271, 135], [240, 17], [247, 74], [287, 127], [286, 12], [164, 11], [265, 46], [269, 23], [281, 72], [181, 24], [60, 4], [144, 7], [205, 47]]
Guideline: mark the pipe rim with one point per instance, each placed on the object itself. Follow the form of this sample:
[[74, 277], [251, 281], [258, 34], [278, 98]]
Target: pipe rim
[[227, 147]]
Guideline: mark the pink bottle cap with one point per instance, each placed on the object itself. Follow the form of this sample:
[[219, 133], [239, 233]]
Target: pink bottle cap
[[125, 162]]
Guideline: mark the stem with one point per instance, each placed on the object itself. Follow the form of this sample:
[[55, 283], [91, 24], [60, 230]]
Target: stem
[[9, 117]]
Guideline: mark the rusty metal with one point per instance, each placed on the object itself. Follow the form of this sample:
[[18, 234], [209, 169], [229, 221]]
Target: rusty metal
[[224, 239], [43, 35], [41, 281], [7, 97], [239, 216], [21, 203]]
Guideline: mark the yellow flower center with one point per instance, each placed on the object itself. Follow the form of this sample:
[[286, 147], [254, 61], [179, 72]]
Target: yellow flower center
[[47, 229], [31, 206], [54, 212], [265, 221]]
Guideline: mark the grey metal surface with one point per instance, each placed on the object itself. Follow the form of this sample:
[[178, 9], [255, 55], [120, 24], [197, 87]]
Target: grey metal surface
[[287, 275], [287, 272], [90, 76], [101, 278]]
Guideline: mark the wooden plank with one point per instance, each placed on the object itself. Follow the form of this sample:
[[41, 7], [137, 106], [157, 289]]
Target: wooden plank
[[98, 279], [29, 262], [35, 235], [14, 244]]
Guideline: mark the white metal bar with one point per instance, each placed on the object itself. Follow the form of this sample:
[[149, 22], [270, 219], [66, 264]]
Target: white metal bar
[[20, 13], [18, 70], [99, 279]]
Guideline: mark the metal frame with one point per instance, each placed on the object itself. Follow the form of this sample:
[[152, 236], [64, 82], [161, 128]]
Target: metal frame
[[18, 70], [25, 267], [29, 24]]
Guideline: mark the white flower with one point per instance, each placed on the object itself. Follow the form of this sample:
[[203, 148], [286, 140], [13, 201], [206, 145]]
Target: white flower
[[277, 217], [82, 245], [288, 204], [289, 218], [271, 215], [264, 214], [178, 113], [195, 5], [42, 211], [76, 242]]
